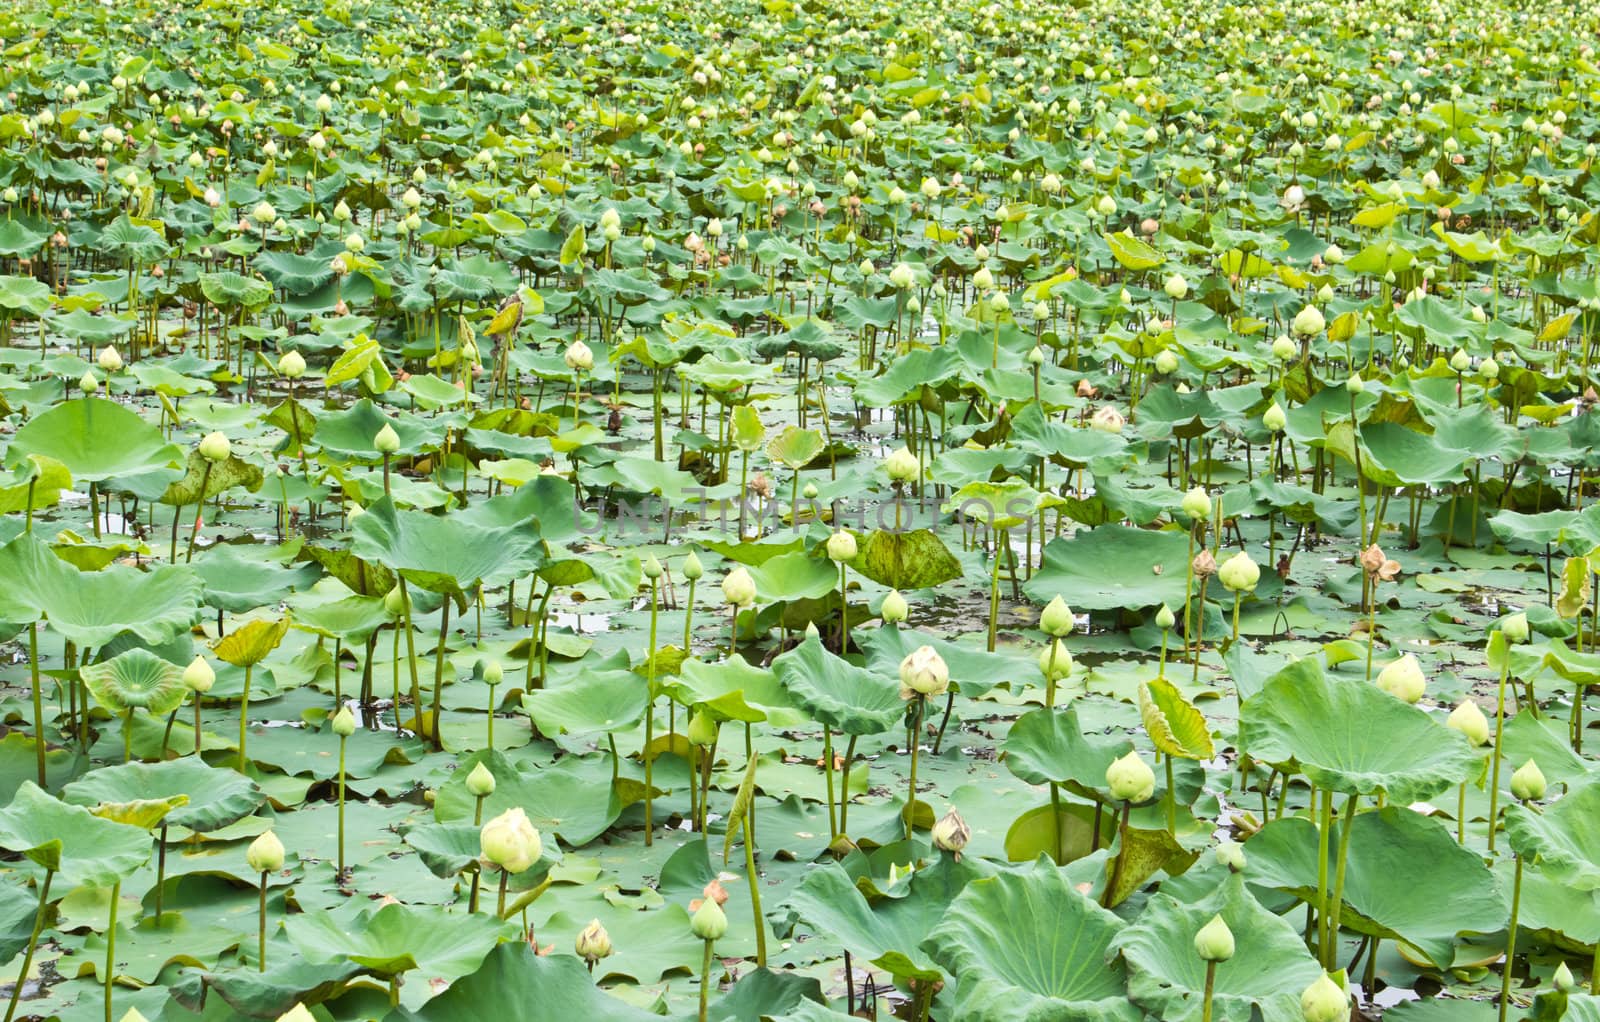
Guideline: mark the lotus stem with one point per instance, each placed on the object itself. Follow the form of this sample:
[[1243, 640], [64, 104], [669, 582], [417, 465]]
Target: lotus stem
[[650, 718], [916, 743], [200, 510], [501, 909], [844, 614], [33, 942], [438, 677], [1110, 893], [1494, 770], [38, 703], [1211, 979], [1324, 832], [261, 927], [1511, 940], [127, 736], [1172, 797], [342, 740], [244, 716], [1337, 899], [197, 723], [1199, 630], [844, 794], [755, 887], [111, 945], [705, 980], [1238, 597]]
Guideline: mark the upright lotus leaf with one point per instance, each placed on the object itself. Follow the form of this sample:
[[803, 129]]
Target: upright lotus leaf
[[837, 693], [96, 439], [265, 995], [1385, 894], [973, 671], [216, 798], [17, 908], [1114, 567], [735, 689], [250, 643], [241, 577], [906, 560], [137, 679], [598, 702], [514, 984], [1049, 746], [351, 433], [398, 938], [1174, 725], [1028, 947], [353, 618], [1269, 969], [82, 848], [1354, 738], [1563, 839], [888, 932], [572, 800], [92, 608], [1575, 589], [795, 448], [446, 849], [217, 476], [443, 553]]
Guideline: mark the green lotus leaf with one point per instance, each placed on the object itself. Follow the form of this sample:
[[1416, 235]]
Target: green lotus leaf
[[240, 578], [215, 798], [571, 800], [795, 448], [516, 985], [96, 439], [1563, 838], [1028, 947], [906, 560], [398, 938], [1046, 746], [83, 848], [1175, 727], [598, 702], [1113, 567], [250, 643], [93, 608], [1263, 980], [137, 679], [442, 553], [837, 693], [218, 477], [1353, 737]]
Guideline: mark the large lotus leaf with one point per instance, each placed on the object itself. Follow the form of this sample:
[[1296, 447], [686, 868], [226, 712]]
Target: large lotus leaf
[[1049, 745], [572, 799], [888, 932], [906, 560], [352, 432], [96, 439], [1267, 973], [1113, 567], [1353, 737], [973, 671], [1028, 947], [352, 619], [398, 938], [361, 576], [1400, 456], [1386, 893], [795, 448], [218, 477], [597, 702], [92, 608], [516, 985], [445, 554], [24, 294], [448, 848], [250, 643], [836, 692], [137, 679], [83, 848], [794, 576], [216, 797], [17, 908], [288, 980], [1564, 839], [734, 689], [240, 578], [1031, 431]]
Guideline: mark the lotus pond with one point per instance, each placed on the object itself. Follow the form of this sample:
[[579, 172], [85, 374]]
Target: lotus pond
[[737, 510]]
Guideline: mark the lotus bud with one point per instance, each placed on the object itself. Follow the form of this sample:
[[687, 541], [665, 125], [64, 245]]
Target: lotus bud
[[1176, 287], [344, 722], [1197, 504], [109, 359], [1166, 362], [983, 280], [1274, 418], [1035, 356], [693, 570], [1214, 942], [394, 602], [1308, 322], [264, 213], [1106, 206], [738, 588], [510, 841], [652, 568], [866, 268], [902, 276], [812, 633], [1230, 853], [387, 441], [1205, 564], [198, 677], [1055, 662], [1470, 721], [998, 302], [1325, 1001], [1165, 619], [923, 672], [902, 466], [703, 730], [265, 854], [841, 546], [292, 365], [709, 923], [1528, 783], [493, 673], [134, 1015], [1460, 361], [1107, 420], [1403, 679], [215, 447], [809, 491], [480, 782], [579, 357], [1130, 779], [593, 942], [1563, 979], [1489, 370], [1283, 349], [1515, 628], [1239, 573], [951, 833], [894, 608], [1355, 384], [87, 382], [1056, 618]]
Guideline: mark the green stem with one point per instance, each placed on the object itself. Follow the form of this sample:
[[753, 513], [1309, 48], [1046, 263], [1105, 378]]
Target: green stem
[[438, 675], [650, 718], [1324, 830], [504, 878], [33, 942], [1511, 941], [244, 715], [261, 927], [200, 509], [1122, 853], [1211, 979], [111, 945], [38, 701], [827, 772], [844, 793], [705, 981], [755, 888], [1499, 729], [1337, 899], [916, 742], [341, 807]]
